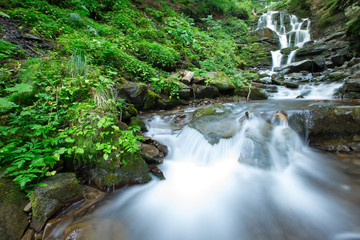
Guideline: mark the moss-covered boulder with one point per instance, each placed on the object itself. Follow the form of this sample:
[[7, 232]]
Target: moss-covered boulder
[[216, 109], [256, 93], [138, 122], [134, 171], [151, 101], [330, 128], [221, 81], [135, 93], [54, 193], [213, 123], [205, 91], [13, 220]]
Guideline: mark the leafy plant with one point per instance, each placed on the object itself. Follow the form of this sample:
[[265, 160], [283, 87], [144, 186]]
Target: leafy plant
[[169, 86]]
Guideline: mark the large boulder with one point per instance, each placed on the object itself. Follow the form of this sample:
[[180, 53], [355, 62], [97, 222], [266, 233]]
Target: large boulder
[[331, 128], [353, 85], [135, 93], [221, 81], [205, 91], [304, 65], [266, 35], [54, 193], [13, 220], [255, 93], [134, 171]]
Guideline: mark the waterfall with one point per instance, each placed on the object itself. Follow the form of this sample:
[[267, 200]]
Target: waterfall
[[291, 31], [262, 182]]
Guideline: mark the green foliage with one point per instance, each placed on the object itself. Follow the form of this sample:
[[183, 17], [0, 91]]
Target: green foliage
[[166, 86], [158, 55], [300, 8], [9, 50]]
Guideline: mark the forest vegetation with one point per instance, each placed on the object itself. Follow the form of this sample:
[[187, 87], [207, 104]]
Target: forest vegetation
[[59, 72]]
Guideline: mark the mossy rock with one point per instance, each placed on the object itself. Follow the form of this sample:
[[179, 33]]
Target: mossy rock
[[135, 171], [135, 93], [129, 112], [212, 110], [221, 81], [255, 94], [54, 193], [13, 220], [151, 101], [138, 122]]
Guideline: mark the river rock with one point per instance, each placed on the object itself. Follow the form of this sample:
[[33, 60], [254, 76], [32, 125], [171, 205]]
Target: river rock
[[205, 91], [338, 75], [214, 124], [304, 65], [221, 81], [151, 154], [135, 93], [134, 171], [266, 35], [352, 85], [256, 93], [330, 128], [13, 220], [57, 191]]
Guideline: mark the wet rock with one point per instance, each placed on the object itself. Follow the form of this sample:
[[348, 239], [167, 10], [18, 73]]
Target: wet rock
[[338, 75], [199, 80], [214, 126], [256, 93], [28, 235], [180, 121], [59, 191], [221, 81], [205, 91], [151, 101], [338, 59], [212, 110], [156, 171], [134, 171], [91, 197], [185, 92], [330, 128], [151, 154], [311, 51], [266, 35], [138, 122], [135, 93], [13, 220], [304, 65], [319, 64], [353, 85], [94, 229]]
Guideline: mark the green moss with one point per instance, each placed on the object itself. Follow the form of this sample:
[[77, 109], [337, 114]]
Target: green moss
[[137, 122], [256, 93], [151, 101], [212, 110]]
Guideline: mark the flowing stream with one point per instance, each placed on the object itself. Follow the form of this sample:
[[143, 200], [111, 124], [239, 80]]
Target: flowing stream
[[263, 182], [257, 180], [293, 33]]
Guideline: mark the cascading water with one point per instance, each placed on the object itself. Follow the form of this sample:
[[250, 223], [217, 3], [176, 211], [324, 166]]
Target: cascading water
[[262, 182], [292, 33]]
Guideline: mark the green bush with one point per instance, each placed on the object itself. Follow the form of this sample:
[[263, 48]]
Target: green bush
[[158, 55]]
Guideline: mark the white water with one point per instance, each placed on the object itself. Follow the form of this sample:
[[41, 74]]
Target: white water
[[308, 91], [291, 31], [211, 194]]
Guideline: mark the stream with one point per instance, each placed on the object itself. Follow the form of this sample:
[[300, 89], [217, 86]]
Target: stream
[[257, 180]]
